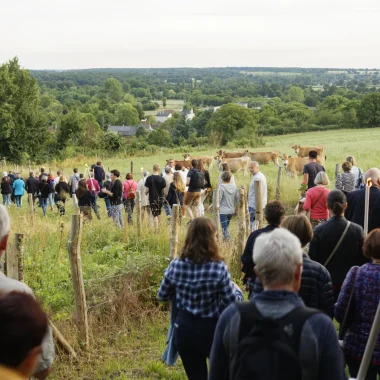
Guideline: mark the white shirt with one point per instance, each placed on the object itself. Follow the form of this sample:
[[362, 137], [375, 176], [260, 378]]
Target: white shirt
[[251, 195], [356, 172], [141, 187], [163, 171]]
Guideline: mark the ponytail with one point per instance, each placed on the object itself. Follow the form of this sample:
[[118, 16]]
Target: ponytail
[[336, 200], [337, 208]]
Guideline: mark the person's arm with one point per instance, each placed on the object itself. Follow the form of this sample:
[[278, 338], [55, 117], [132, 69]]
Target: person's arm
[[314, 247], [167, 290], [338, 182], [306, 174], [188, 178], [229, 293], [344, 295], [307, 203], [326, 295]]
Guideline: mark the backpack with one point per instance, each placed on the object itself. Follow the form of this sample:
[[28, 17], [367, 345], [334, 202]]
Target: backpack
[[198, 179], [51, 184], [268, 348], [131, 192]]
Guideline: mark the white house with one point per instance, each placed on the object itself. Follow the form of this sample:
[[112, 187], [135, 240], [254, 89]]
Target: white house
[[164, 115], [188, 113]]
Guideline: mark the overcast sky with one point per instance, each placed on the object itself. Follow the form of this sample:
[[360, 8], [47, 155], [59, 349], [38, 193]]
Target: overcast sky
[[69, 34]]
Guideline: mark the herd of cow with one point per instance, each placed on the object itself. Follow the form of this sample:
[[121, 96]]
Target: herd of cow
[[239, 161]]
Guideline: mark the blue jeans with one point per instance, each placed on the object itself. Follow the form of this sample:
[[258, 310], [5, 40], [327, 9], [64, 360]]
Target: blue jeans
[[51, 199], [18, 200], [167, 210], [225, 222], [43, 204], [252, 213], [108, 205], [7, 200]]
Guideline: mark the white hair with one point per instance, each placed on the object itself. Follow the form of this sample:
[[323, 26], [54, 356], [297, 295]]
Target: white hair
[[4, 222], [255, 163], [321, 179], [145, 173], [276, 255], [374, 174]]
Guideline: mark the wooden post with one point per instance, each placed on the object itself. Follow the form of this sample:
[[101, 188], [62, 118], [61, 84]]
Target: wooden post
[[138, 212], [132, 167], [4, 164], [75, 201], [242, 223], [31, 205], [279, 174], [175, 232], [61, 340], [30, 166], [258, 203], [247, 216], [19, 244], [77, 277], [216, 208], [336, 170], [11, 262]]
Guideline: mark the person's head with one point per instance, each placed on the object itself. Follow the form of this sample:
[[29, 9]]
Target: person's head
[[51, 175], [321, 179], [5, 174], [374, 174], [274, 212], [5, 179], [313, 155], [62, 179], [226, 177], [170, 163], [115, 174], [4, 229], [108, 175], [145, 173], [168, 170], [371, 247], [82, 188], [129, 176], [346, 166], [156, 168], [17, 176], [43, 179], [81, 175], [200, 244], [178, 167], [59, 173], [300, 226], [225, 167], [75, 170], [336, 202], [278, 259], [99, 163], [201, 165], [254, 167], [178, 182], [351, 159], [42, 170], [194, 164], [31, 175], [23, 325]]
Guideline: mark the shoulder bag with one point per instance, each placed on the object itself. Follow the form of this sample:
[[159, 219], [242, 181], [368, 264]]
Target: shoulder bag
[[337, 245]]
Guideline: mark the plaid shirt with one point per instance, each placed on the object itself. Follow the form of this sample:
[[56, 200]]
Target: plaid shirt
[[203, 290]]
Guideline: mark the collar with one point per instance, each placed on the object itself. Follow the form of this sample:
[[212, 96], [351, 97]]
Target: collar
[[278, 295]]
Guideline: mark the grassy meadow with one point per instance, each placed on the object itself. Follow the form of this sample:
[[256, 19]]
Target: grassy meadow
[[122, 273]]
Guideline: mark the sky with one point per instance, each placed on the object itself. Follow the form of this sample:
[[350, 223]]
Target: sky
[[78, 34]]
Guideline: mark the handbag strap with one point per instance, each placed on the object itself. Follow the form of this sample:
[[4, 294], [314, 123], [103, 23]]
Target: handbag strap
[[337, 245], [341, 327], [316, 201]]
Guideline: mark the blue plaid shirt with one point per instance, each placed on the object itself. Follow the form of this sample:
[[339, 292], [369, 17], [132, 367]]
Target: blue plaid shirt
[[204, 290]]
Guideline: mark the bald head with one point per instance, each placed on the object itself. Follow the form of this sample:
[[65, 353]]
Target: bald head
[[4, 228], [374, 174]]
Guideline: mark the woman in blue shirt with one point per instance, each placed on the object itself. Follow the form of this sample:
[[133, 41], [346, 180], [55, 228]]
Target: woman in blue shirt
[[18, 190], [201, 283]]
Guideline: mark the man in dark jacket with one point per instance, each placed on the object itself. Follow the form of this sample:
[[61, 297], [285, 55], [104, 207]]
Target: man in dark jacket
[[356, 202], [99, 173], [31, 186], [116, 198], [274, 213]]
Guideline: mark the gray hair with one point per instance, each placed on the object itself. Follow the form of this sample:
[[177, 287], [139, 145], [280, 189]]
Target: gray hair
[[168, 169], [4, 222], [145, 173], [322, 179], [276, 255], [255, 163], [108, 175], [374, 174]]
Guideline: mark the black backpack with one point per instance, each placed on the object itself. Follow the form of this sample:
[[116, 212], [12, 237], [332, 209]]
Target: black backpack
[[198, 179], [268, 348]]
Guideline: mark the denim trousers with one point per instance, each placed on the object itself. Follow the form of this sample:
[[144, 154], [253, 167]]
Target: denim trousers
[[6, 200], [108, 205], [193, 337], [43, 204], [225, 222], [129, 205], [51, 199], [117, 214], [18, 200], [252, 213]]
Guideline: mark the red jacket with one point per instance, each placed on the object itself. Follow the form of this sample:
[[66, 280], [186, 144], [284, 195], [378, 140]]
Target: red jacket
[[317, 197], [93, 186]]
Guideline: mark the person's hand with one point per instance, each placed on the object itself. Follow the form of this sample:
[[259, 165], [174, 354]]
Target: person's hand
[[104, 190]]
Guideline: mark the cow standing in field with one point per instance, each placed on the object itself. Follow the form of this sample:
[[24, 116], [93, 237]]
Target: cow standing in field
[[183, 163], [235, 164], [303, 151], [206, 159], [263, 157], [295, 165], [225, 154]]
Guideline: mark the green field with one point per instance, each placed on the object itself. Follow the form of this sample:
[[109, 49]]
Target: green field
[[171, 104], [122, 273]]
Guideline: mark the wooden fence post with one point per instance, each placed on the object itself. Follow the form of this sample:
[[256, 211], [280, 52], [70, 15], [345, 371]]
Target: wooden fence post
[[175, 232], [132, 167], [19, 244], [30, 166], [216, 208], [336, 170], [279, 174], [138, 212], [11, 262], [258, 203], [4, 164], [77, 277], [242, 222], [31, 207], [75, 201]]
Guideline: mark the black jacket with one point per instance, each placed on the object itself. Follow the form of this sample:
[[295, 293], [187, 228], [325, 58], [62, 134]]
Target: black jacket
[[99, 174], [355, 207], [31, 185], [6, 188], [316, 288], [174, 197], [246, 257], [349, 253], [117, 193]]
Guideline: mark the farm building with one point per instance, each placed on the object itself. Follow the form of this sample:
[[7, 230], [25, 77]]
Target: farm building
[[164, 115], [188, 113]]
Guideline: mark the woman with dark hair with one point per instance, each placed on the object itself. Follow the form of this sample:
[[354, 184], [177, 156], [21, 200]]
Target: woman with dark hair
[[85, 199], [202, 286], [226, 168], [337, 243], [359, 298], [6, 191]]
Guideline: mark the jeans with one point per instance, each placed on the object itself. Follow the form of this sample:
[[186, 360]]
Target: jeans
[[43, 203], [51, 199], [18, 200], [193, 337], [129, 204], [167, 210], [117, 214], [225, 222], [354, 365], [108, 205], [7, 200], [252, 213]]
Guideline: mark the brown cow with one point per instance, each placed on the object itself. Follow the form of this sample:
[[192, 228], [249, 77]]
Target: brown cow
[[208, 160], [263, 157], [303, 151], [235, 164], [186, 164], [295, 165], [225, 154]]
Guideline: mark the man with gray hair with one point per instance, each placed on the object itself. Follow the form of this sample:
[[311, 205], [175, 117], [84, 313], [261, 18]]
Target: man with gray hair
[[254, 169], [356, 200], [8, 285], [248, 335]]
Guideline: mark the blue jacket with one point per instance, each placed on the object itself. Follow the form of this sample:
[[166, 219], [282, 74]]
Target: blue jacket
[[319, 352], [18, 187]]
